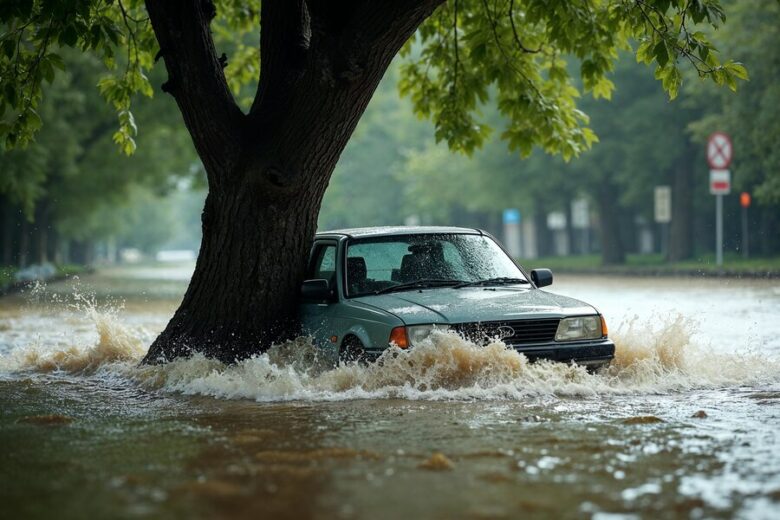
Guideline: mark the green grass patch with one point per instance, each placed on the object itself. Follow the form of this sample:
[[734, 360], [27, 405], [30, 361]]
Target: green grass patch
[[6, 275], [70, 269]]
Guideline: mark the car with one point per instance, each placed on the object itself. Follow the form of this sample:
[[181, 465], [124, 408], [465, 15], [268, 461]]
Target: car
[[369, 288]]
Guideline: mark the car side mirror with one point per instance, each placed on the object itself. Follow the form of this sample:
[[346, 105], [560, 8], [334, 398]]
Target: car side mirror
[[542, 277], [318, 289]]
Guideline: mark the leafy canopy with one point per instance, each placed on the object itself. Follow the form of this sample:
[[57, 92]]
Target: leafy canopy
[[519, 51]]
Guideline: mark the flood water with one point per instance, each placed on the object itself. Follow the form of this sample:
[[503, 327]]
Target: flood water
[[683, 425]]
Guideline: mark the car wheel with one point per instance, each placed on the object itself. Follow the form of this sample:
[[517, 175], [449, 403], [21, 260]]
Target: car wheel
[[352, 351]]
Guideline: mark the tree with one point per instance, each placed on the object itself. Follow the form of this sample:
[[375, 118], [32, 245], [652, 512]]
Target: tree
[[56, 186], [751, 118], [320, 63]]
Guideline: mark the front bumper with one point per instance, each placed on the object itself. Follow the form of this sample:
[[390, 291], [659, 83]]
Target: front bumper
[[597, 353], [593, 353]]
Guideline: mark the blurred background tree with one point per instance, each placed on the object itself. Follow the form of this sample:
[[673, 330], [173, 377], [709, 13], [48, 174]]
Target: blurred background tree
[[71, 196]]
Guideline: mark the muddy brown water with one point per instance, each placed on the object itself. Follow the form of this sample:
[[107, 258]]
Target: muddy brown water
[[683, 425]]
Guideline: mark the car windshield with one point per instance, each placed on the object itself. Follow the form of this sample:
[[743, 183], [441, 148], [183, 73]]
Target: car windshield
[[379, 264]]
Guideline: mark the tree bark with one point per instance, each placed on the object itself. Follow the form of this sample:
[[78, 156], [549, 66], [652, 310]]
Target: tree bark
[[612, 249], [8, 220], [570, 231], [543, 233], [681, 227], [244, 289], [40, 231], [267, 170], [24, 244]]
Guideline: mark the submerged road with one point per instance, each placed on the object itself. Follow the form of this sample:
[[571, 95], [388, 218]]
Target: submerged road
[[683, 425]]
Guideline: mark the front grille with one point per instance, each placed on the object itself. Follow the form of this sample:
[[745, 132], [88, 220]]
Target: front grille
[[513, 333]]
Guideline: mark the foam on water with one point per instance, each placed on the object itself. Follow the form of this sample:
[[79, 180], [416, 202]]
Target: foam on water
[[653, 356], [115, 344]]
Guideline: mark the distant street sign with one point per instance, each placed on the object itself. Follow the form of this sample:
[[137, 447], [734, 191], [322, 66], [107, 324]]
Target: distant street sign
[[720, 182], [580, 216], [556, 220], [719, 151], [511, 216], [663, 204], [512, 238]]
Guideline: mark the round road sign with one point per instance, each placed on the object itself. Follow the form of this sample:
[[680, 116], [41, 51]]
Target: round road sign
[[719, 151]]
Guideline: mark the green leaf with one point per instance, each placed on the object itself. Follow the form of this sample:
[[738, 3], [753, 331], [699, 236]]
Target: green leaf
[[10, 95], [47, 70], [33, 120], [9, 47], [661, 53], [69, 36], [738, 70], [56, 61]]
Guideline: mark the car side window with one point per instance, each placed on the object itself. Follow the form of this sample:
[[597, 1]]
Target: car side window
[[324, 264]]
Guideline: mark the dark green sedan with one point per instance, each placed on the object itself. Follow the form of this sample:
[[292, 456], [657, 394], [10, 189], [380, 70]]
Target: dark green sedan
[[370, 288]]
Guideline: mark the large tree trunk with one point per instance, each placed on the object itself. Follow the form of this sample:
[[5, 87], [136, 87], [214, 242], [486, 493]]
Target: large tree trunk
[[267, 170], [243, 292]]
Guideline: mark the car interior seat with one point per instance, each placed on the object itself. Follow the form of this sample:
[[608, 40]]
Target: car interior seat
[[357, 274], [425, 261]]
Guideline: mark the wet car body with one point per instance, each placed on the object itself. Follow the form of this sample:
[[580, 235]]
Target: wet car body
[[361, 295]]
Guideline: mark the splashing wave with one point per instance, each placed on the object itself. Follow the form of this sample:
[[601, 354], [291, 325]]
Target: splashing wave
[[649, 359]]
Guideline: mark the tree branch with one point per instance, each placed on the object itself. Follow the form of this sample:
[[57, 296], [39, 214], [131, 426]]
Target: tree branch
[[285, 39], [197, 82], [514, 31], [457, 51], [492, 21]]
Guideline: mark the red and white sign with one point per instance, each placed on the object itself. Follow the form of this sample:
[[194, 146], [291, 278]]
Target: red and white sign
[[719, 151], [720, 182]]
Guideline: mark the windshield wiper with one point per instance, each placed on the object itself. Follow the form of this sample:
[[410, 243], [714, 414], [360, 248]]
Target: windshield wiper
[[501, 280], [423, 283]]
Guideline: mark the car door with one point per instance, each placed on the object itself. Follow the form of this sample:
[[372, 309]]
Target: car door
[[318, 317]]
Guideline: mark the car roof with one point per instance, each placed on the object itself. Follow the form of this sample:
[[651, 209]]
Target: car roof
[[400, 230]]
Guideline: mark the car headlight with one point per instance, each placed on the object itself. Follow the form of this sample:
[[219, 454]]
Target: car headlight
[[581, 327], [417, 333]]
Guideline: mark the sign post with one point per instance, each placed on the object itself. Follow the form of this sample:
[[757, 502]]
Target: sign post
[[719, 153], [580, 219], [663, 214], [512, 232], [744, 201]]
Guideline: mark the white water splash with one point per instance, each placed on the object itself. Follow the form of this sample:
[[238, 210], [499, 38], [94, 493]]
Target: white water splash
[[653, 356]]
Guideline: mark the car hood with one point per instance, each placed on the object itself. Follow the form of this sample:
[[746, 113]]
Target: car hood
[[470, 304]]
